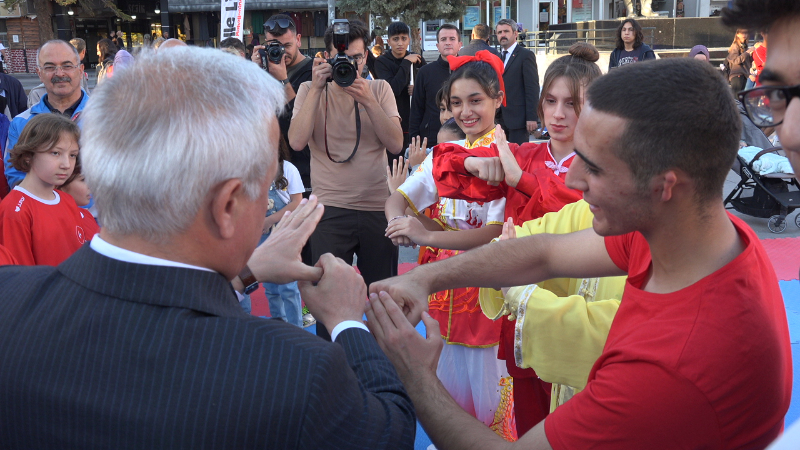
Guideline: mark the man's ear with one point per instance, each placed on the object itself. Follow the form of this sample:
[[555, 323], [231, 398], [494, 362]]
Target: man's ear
[[226, 200], [666, 185]]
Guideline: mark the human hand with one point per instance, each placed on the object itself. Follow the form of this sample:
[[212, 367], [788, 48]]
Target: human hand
[[278, 260], [509, 232], [397, 174], [489, 169], [320, 73], [414, 58], [413, 356], [255, 56], [400, 241], [360, 92], [417, 151], [278, 71], [338, 296], [410, 291], [409, 227], [510, 165], [532, 126]]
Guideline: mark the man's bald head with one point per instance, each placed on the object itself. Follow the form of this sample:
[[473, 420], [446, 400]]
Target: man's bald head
[[172, 43]]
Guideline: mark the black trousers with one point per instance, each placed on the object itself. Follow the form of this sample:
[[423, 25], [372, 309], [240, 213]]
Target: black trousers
[[347, 232], [519, 136]]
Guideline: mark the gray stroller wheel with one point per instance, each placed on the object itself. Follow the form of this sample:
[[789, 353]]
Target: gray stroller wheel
[[777, 224]]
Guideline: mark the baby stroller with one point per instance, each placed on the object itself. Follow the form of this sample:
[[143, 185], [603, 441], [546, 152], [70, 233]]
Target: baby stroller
[[772, 195]]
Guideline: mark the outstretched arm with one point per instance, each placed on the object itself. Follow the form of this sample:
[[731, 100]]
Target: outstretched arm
[[416, 358], [516, 262]]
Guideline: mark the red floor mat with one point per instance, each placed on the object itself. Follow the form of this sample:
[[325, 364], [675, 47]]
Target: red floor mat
[[785, 256]]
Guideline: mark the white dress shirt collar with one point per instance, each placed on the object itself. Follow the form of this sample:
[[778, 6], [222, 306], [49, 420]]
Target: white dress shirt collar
[[510, 51], [121, 254]]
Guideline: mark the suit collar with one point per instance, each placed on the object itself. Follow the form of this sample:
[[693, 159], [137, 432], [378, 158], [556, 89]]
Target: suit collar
[[207, 292]]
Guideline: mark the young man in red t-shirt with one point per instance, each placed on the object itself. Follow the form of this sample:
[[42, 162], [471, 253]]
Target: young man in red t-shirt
[[698, 355]]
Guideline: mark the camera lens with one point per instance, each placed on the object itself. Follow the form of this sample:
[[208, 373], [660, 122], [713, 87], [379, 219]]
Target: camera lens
[[344, 73], [275, 52]]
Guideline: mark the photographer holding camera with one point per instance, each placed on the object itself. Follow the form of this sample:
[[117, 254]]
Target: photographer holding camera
[[281, 57], [349, 123]]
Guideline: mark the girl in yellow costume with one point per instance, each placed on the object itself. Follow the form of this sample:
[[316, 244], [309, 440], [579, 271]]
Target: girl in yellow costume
[[468, 366], [561, 324]]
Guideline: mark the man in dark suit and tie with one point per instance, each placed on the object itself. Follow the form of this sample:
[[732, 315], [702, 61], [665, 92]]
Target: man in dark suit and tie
[[138, 340], [521, 79]]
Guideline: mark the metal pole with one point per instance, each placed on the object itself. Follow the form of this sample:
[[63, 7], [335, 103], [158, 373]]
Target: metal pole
[[331, 11]]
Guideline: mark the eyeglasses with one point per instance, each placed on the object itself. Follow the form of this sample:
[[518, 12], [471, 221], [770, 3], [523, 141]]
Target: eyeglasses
[[282, 23], [358, 58], [766, 105], [51, 69]]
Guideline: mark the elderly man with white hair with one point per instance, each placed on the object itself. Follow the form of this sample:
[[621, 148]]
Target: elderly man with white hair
[[137, 340]]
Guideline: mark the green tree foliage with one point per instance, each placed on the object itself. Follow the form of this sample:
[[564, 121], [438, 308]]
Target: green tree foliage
[[409, 11]]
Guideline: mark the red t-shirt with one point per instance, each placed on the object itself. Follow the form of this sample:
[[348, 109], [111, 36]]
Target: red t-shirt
[[6, 258], [43, 232], [709, 366], [540, 190]]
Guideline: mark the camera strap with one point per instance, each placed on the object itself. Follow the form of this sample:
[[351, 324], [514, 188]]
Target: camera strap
[[325, 130]]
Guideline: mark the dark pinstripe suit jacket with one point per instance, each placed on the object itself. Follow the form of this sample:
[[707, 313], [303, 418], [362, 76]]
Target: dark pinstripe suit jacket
[[99, 353]]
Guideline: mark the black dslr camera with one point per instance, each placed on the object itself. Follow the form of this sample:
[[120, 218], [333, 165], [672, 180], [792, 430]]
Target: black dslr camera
[[274, 52], [344, 67]]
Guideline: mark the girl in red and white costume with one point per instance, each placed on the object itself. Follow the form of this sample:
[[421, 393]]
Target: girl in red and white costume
[[39, 225], [468, 366], [531, 179]]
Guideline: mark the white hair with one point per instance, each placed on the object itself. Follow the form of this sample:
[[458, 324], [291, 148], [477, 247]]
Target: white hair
[[152, 151]]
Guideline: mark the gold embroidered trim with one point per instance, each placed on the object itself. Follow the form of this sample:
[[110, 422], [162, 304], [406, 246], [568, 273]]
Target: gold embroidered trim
[[410, 203], [522, 307]]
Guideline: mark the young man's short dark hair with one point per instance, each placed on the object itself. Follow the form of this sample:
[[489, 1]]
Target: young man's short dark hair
[[637, 30], [396, 28], [448, 26], [702, 139], [233, 42], [758, 14], [357, 31], [274, 25], [481, 31]]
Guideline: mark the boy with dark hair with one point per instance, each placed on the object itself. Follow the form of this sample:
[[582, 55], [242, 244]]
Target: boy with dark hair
[[698, 354], [397, 67], [424, 117]]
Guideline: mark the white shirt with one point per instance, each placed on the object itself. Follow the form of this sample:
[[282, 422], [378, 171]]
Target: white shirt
[[295, 183], [121, 254], [510, 51]]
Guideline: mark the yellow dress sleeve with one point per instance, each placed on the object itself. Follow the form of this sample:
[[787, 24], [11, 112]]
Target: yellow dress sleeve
[[561, 337], [560, 328]]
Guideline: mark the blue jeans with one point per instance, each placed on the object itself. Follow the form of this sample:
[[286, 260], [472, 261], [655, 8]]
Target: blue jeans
[[284, 299]]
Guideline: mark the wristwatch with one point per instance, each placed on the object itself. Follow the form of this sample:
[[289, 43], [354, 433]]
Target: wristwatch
[[248, 280], [285, 82]]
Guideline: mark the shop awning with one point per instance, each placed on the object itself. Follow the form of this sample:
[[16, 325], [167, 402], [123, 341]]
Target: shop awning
[[184, 6]]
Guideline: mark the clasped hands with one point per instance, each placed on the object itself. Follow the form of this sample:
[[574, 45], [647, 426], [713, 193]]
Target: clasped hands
[[332, 289], [498, 168]]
